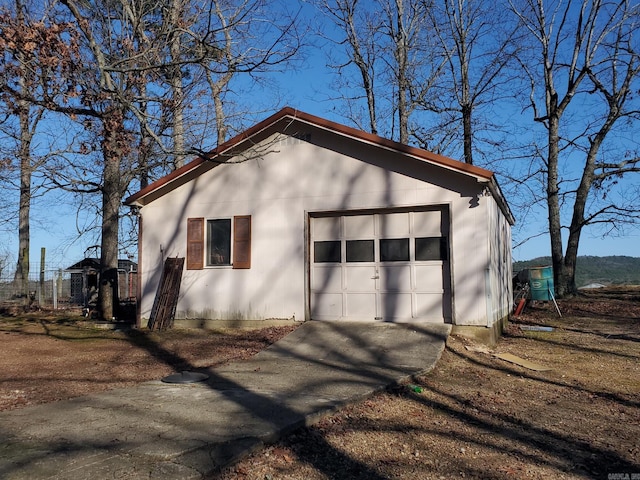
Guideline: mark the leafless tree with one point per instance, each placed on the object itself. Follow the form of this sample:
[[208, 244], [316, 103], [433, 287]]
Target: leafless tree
[[20, 52], [583, 66], [361, 38], [396, 59], [251, 41], [478, 45], [412, 69]]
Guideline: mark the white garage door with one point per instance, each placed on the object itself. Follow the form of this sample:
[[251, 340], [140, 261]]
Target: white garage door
[[389, 267]]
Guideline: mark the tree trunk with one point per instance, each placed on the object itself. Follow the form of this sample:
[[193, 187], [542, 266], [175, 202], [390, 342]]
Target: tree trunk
[[176, 85], [220, 118], [111, 198], [402, 63], [568, 287], [22, 268], [467, 132], [146, 143], [21, 278], [466, 103], [363, 67], [553, 206], [580, 204]]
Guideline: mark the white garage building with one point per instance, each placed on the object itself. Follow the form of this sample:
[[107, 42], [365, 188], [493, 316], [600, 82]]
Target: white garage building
[[302, 218]]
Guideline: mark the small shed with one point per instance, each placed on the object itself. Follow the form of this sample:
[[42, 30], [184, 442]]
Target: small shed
[[85, 278], [303, 218]]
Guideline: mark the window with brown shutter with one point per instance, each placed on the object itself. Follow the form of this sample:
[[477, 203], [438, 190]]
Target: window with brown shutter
[[195, 243], [242, 241]]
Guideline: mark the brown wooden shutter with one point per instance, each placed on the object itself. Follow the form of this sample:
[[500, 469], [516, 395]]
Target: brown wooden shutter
[[242, 241], [195, 243]]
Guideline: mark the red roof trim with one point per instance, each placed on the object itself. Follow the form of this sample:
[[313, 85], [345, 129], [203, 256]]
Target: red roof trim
[[322, 123]]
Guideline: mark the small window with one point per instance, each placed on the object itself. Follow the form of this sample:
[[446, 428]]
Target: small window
[[219, 242], [394, 250], [360, 251], [431, 248], [327, 252]]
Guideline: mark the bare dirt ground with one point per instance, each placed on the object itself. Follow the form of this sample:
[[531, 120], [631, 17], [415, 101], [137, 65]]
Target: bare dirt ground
[[476, 417]]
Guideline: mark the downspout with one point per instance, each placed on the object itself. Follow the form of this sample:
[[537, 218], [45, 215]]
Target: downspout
[[487, 270], [139, 274], [487, 288]]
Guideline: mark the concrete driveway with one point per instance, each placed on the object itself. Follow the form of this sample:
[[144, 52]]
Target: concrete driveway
[[182, 431]]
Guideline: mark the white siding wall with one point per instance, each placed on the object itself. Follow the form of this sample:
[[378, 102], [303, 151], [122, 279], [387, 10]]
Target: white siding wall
[[278, 191], [470, 260], [499, 284]]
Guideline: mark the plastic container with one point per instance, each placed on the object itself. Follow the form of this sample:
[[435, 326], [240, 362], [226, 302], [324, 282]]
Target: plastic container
[[541, 283]]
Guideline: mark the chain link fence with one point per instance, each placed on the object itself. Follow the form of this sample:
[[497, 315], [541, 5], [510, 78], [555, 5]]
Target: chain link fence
[[48, 286], [52, 287]]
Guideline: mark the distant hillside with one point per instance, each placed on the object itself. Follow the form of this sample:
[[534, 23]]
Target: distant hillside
[[616, 270]]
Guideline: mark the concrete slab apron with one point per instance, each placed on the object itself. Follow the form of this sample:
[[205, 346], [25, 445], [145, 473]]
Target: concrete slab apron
[[167, 431]]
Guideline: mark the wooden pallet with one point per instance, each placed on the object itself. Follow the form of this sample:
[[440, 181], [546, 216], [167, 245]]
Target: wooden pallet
[[166, 301]]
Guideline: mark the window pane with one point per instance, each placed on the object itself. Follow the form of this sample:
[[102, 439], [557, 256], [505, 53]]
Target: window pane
[[359, 250], [325, 252], [219, 242], [394, 250], [431, 248]]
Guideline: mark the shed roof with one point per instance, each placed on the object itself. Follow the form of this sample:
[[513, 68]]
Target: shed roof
[[290, 121], [94, 264]]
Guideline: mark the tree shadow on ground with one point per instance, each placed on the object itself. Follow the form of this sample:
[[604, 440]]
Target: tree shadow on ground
[[565, 449], [249, 399], [516, 371]]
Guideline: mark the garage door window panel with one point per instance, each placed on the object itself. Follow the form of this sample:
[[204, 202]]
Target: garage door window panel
[[431, 249], [327, 252], [360, 251], [394, 250]]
